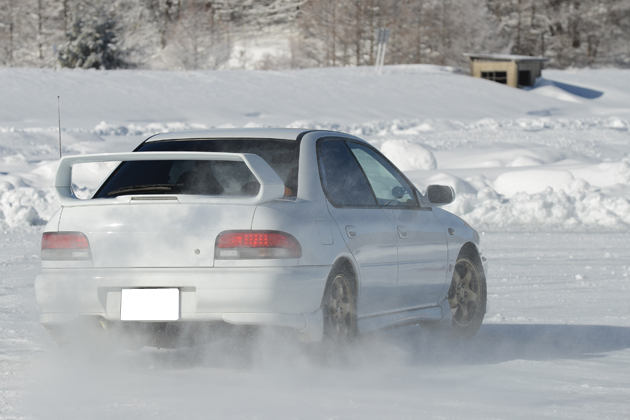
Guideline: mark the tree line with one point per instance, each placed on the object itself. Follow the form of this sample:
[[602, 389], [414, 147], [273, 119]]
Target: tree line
[[211, 34]]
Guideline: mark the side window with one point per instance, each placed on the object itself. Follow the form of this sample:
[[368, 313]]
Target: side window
[[342, 178], [389, 187]]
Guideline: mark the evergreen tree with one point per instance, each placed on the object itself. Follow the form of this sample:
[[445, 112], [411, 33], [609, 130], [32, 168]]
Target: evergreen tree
[[92, 42], [206, 34]]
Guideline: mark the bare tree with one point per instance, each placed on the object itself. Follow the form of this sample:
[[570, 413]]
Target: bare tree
[[8, 25], [164, 14], [200, 38], [166, 34]]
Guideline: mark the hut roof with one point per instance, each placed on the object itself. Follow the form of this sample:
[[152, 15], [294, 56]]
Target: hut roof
[[504, 57]]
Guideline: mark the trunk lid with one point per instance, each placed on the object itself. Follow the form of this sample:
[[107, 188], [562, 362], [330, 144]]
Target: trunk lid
[[162, 233]]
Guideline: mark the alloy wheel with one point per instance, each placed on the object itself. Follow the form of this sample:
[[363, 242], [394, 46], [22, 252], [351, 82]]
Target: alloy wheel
[[464, 295], [340, 314]]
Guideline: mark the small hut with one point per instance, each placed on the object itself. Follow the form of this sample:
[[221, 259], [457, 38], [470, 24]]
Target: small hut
[[511, 70]]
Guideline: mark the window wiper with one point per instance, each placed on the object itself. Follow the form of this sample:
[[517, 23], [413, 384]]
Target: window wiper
[[147, 188]]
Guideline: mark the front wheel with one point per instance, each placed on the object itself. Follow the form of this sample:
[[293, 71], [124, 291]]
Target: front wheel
[[467, 297]]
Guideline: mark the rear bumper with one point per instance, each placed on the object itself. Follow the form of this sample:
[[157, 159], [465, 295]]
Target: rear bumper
[[273, 296]]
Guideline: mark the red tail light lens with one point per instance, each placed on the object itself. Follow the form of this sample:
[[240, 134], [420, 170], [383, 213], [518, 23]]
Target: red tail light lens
[[253, 244], [65, 246]]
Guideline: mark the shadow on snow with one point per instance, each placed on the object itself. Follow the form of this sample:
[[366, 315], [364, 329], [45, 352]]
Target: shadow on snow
[[582, 92], [496, 343], [411, 346]]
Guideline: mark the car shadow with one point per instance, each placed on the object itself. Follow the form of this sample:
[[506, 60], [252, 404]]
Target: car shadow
[[410, 346], [497, 343]]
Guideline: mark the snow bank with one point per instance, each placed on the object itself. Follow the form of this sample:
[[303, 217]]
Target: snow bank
[[25, 206], [420, 126], [408, 156], [105, 129], [556, 93], [517, 201], [550, 209], [552, 176], [556, 156], [533, 182]]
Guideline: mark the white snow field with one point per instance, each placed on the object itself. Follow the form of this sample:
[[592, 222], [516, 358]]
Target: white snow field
[[544, 173]]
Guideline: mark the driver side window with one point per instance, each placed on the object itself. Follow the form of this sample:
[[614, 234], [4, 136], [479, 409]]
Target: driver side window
[[389, 187]]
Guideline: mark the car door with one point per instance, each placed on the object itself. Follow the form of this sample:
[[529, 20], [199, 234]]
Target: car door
[[366, 230], [421, 240]]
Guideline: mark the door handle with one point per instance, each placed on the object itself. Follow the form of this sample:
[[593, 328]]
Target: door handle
[[351, 231], [402, 232]]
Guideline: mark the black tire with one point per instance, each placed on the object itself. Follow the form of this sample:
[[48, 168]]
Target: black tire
[[339, 308], [467, 296]]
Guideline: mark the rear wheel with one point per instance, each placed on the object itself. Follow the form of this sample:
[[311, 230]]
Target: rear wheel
[[467, 296], [339, 308]]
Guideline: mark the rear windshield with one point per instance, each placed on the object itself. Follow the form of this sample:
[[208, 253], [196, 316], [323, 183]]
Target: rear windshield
[[203, 177]]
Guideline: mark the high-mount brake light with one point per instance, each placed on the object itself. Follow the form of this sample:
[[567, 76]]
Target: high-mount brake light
[[65, 246], [256, 244]]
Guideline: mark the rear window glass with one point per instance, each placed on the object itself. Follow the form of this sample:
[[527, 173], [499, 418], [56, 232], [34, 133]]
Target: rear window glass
[[203, 177]]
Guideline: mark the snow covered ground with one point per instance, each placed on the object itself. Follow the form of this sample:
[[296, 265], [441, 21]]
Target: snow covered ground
[[556, 344], [556, 156], [544, 173]]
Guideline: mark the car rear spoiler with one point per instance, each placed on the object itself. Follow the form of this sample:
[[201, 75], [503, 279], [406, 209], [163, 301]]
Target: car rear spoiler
[[271, 186]]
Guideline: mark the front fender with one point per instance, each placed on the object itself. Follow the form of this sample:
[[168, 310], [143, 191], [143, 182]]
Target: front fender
[[458, 233]]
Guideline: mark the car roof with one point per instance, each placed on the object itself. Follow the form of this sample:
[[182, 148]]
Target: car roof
[[227, 133]]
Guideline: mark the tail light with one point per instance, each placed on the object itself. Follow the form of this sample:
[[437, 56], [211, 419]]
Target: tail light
[[256, 244], [73, 246]]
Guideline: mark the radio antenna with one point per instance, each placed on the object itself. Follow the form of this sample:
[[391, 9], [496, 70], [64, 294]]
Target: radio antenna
[[59, 117]]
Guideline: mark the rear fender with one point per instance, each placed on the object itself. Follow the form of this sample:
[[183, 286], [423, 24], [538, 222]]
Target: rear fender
[[309, 222]]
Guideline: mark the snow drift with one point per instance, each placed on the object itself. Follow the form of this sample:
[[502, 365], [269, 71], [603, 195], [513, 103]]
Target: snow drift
[[517, 159]]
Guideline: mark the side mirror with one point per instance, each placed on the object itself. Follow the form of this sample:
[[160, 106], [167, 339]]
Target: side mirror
[[398, 192], [438, 195]]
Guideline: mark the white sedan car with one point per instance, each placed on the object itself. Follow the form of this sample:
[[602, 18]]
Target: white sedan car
[[312, 230]]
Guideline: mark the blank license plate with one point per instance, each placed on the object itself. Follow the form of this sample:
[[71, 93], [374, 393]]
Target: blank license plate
[[149, 305]]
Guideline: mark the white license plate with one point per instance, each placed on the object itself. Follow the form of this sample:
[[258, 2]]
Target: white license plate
[[149, 305]]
